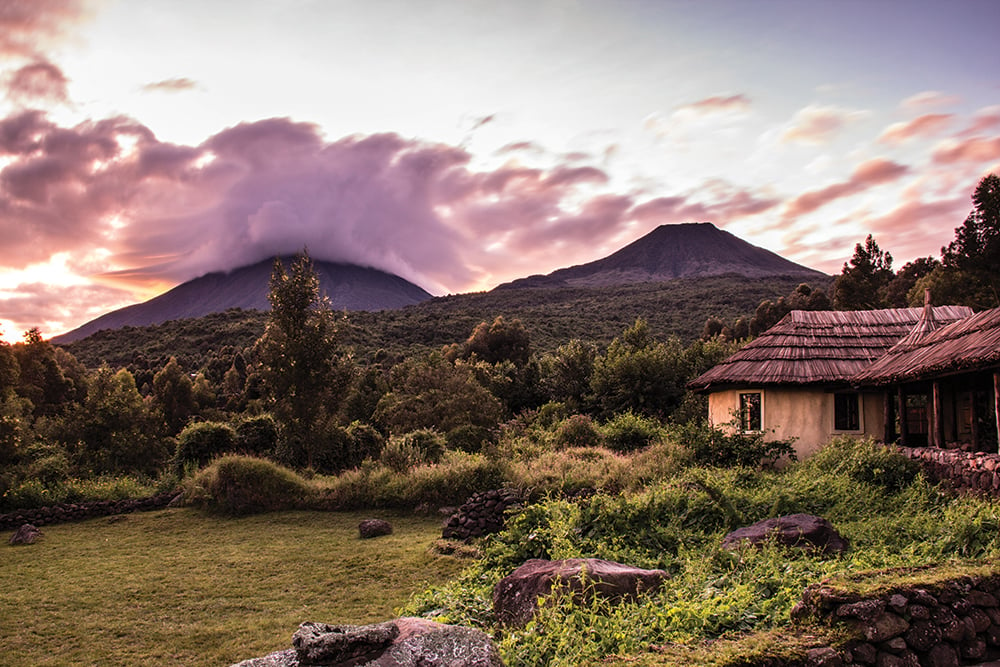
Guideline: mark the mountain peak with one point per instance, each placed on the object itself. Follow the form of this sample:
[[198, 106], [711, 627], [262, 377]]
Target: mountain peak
[[683, 250]]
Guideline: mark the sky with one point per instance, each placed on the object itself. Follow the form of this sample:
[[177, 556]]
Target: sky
[[462, 143]]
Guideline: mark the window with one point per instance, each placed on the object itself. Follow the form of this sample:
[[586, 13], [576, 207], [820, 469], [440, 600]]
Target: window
[[846, 416], [750, 413]]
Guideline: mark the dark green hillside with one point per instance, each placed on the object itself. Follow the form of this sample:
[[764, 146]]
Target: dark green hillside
[[552, 315]]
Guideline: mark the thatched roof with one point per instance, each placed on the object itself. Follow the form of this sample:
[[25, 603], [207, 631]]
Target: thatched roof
[[819, 347], [969, 344]]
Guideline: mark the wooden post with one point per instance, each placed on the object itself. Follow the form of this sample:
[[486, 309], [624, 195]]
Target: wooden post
[[996, 400], [904, 428], [889, 416], [937, 423]]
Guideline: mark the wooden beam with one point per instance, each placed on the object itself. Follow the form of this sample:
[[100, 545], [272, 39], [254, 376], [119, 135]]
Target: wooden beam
[[996, 401], [904, 428], [888, 417], [937, 423]]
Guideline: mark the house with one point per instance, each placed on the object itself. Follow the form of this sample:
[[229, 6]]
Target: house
[[948, 378], [796, 379]]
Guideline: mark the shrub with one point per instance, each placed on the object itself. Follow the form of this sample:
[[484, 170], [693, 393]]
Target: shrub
[[257, 435], [714, 446], [416, 447], [238, 485], [865, 460], [200, 443], [367, 443], [627, 431], [576, 431]]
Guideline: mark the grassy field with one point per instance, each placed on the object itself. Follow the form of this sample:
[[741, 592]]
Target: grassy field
[[177, 587]]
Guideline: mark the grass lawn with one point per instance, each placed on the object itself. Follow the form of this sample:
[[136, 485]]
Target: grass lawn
[[177, 587]]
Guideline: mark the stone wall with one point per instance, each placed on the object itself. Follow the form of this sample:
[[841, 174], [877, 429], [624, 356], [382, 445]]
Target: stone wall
[[956, 622], [967, 471], [44, 516]]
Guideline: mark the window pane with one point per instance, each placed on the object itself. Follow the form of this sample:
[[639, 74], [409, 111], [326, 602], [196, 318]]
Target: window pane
[[845, 412], [750, 417]]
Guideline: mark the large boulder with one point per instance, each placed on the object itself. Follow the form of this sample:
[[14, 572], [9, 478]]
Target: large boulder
[[804, 531], [515, 597], [404, 642]]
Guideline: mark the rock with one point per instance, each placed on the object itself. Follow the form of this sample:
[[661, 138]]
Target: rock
[[370, 528], [942, 655], [823, 657], [885, 627], [26, 534], [404, 642], [865, 610], [515, 597], [795, 530], [923, 636]]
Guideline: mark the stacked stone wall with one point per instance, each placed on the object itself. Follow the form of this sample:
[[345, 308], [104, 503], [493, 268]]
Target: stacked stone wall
[[945, 625], [976, 472], [483, 513], [62, 513]]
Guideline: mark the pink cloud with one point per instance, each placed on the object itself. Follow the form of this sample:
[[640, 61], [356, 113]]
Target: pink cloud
[[923, 126], [175, 85], [985, 120], [867, 175], [27, 27], [40, 81], [929, 99], [973, 149], [719, 103], [816, 124]]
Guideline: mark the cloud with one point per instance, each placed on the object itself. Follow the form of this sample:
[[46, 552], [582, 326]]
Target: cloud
[[28, 27], [31, 304], [867, 175], [176, 85], [928, 99], [718, 104], [923, 126], [37, 82], [985, 120], [973, 149], [818, 124]]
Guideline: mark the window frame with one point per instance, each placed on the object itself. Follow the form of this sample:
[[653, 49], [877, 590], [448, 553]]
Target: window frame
[[746, 412], [839, 415]]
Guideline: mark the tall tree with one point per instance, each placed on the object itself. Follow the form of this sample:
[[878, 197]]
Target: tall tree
[[976, 249], [861, 285], [304, 379]]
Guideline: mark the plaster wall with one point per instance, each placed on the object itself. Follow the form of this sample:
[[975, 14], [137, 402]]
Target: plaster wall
[[804, 414]]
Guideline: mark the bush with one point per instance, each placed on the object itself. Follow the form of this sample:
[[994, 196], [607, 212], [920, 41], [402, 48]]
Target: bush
[[627, 432], [415, 448], [713, 446], [576, 431], [257, 435], [865, 460], [200, 443], [239, 485], [367, 443]]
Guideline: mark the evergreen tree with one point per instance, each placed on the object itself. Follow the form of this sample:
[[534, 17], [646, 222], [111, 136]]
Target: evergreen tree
[[303, 377], [975, 252], [861, 285]]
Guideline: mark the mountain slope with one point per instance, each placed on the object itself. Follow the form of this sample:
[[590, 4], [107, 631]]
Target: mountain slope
[[689, 250], [349, 287]]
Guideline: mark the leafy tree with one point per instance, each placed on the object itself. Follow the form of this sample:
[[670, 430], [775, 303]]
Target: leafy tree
[[116, 432], [861, 285], [201, 442], [566, 373], [502, 340], [174, 395], [640, 374], [431, 392], [40, 378], [898, 292], [303, 379]]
